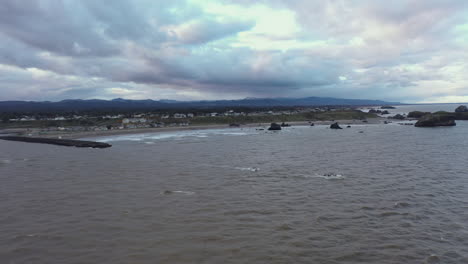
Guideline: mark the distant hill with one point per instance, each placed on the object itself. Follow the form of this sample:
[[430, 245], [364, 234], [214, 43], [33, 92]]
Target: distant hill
[[124, 104]]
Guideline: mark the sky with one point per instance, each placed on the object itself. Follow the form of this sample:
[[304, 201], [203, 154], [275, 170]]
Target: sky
[[412, 51]]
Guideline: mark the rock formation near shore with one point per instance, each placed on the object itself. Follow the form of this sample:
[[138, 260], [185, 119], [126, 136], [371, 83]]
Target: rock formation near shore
[[417, 114], [380, 112], [335, 126], [435, 120], [461, 109], [398, 116], [274, 126]]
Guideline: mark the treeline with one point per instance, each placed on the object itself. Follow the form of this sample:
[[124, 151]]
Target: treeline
[[307, 116], [6, 116]]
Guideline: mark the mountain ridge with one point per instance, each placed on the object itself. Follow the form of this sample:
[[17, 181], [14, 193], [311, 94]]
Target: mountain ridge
[[129, 104]]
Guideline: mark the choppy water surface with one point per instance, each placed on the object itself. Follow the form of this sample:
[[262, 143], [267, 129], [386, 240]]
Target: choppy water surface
[[392, 194]]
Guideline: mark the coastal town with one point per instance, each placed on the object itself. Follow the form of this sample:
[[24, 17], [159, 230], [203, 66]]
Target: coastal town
[[135, 120], [92, 123]]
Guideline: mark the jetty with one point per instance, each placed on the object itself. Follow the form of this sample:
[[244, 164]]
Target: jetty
[[60, 142]]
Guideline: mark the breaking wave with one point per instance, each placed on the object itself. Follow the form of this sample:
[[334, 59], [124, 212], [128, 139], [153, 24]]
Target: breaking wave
[[174, 135]]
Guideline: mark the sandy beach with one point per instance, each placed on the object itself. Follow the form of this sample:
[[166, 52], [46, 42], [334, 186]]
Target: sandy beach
[[36, 132]]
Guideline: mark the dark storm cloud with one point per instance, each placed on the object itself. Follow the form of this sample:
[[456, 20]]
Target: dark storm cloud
[[53, 26], [358, 48]]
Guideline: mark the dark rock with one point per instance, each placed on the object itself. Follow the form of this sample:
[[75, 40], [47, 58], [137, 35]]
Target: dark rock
[[274, 126], [60, 142], [387, 107], [435, 120], [348, 126], [285, 125], [461, 109], [398, 116], [335, 126], [234, 125], [312, 124], [380, 112], [417, 114]]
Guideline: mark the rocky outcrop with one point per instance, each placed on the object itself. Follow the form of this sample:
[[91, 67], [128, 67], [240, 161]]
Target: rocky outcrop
[[435, 120], [335, 126], [387, 107], [274, 126], [461, 109], [398, 116], [285, 125], [417, 114], [60, 142], [380, 112]]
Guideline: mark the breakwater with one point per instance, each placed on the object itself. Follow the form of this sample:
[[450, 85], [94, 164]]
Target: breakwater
[[60, 142]]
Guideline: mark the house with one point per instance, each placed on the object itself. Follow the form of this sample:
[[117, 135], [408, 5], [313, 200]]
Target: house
[[133, 120]]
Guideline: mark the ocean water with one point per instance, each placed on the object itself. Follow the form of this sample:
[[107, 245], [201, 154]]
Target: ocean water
[[365, 194]]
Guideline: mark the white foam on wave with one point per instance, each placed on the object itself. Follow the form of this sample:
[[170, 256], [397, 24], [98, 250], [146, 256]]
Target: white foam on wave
[[253, 169], [5, 161], [167, 192], [327, 176], [173, 135], [331, 176]]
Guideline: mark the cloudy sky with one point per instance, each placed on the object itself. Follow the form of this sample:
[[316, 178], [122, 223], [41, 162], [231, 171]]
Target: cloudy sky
[[399, 50]]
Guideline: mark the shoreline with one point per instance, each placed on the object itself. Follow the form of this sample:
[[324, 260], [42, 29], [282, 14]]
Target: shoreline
[[115, 132]]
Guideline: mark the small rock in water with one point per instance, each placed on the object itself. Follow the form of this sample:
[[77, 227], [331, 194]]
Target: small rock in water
[[335, 126], [274, 126]]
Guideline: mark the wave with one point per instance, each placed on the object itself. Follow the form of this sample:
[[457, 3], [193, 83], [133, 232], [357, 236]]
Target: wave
[[173, 135], [168, 192], [331, 176], [5, 161], [327, 176], [253, 169]]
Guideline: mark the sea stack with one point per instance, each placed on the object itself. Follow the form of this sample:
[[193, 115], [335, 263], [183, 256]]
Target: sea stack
[[435, 120], [274, 126], [335, 126], [461, 109]]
